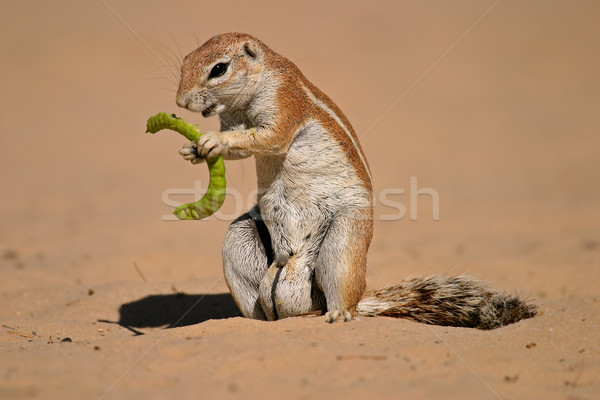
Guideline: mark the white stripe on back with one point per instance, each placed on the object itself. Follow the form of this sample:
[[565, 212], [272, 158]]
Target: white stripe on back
[[337, 119]]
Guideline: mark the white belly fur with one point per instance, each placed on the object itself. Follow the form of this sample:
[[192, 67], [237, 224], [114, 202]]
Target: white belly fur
[[301, 191]]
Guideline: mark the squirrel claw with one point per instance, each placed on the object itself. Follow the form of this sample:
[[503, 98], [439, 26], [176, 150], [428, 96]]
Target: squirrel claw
[[189, 151], [331, 316], [347, 316]]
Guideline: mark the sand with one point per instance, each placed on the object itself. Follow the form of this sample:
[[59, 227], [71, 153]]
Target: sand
[[104, 296]]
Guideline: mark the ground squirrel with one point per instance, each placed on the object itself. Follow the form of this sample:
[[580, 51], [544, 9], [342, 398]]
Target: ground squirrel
[[303, 247]]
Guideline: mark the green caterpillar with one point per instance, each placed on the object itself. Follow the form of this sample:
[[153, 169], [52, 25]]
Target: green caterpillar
[[215, 194]]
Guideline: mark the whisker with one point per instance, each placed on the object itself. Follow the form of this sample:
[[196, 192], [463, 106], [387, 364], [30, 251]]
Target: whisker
[[162, 78], [170, 63], [296, 61], [174, 63], [165, 90], [174, 41], [194, 32]]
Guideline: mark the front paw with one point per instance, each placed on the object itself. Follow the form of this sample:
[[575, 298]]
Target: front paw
[[210, 146], [189, 151]]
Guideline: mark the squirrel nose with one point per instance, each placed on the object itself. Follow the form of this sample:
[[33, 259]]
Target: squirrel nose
[[182, 100]]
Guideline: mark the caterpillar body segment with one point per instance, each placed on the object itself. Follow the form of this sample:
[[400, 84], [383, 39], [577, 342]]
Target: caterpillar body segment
[[215, 194]]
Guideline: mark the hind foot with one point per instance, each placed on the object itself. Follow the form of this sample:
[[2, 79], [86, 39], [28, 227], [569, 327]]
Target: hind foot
[[331, 316]]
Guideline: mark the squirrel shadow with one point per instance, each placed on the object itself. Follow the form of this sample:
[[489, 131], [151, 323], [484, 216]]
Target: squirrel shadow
[[176, 310]]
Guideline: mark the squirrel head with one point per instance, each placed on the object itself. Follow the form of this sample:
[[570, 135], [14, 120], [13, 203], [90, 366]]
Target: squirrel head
[[221, 75]]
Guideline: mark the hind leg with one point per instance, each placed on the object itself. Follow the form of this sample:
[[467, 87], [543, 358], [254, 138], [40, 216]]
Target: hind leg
[[247, 255], [290, 290], [340, 270]]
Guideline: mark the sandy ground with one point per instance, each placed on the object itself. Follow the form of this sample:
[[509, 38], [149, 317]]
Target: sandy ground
[[500, 118]]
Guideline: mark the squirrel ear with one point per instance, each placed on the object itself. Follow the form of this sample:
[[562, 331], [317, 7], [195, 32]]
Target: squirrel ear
[[252, 51]]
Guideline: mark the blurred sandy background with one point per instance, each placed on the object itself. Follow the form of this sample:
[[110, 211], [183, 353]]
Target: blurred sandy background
[[500, 115]]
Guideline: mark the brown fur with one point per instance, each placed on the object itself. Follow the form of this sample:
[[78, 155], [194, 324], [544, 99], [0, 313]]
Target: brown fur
[[441, 300]]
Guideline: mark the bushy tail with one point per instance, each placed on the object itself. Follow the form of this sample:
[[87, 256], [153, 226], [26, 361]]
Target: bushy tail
[[442, 300]]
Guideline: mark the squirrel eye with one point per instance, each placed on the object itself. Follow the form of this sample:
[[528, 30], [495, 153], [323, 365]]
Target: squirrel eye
[[217, 70]]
